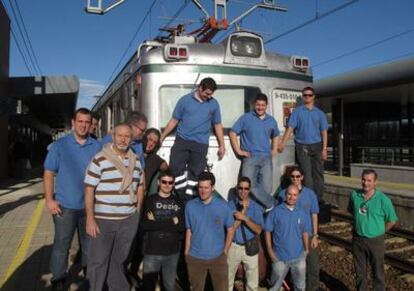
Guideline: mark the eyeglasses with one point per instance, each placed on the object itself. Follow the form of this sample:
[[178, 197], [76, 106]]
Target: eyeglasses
[[295, 176], [167, 182], [307, 95], [243, 188], [140, 128]]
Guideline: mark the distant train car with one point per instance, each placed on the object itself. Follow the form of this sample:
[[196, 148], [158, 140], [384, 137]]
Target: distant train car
[[153, 81]]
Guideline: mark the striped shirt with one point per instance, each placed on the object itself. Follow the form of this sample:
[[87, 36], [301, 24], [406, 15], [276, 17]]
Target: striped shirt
[[109, 203]]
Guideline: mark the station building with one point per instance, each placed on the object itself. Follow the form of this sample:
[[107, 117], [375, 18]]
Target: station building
[[372, 116], [33, 110]]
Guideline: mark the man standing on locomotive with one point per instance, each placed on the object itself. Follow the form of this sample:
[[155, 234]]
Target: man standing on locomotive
[[194, 115], [310, 126], [255, 129], [374, 215]]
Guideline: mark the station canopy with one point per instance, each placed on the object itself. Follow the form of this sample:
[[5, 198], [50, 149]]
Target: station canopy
[[47, 102]]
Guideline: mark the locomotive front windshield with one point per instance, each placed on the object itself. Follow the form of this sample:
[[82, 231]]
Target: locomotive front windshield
[[233, 100]]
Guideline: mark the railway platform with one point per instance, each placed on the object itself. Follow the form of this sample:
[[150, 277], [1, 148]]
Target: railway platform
[[26, 233]]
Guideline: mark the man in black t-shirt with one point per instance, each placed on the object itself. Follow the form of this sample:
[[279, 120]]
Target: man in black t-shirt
[[163, 225]]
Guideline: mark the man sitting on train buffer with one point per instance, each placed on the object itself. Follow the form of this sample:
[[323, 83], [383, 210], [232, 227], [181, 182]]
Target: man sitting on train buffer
[[310, 126], [68, 158], [194, 114], [114, 191], [209, 233], [248, 225], [138, 123], [374, 215], [307, 201], [287, 227], [255, 129]]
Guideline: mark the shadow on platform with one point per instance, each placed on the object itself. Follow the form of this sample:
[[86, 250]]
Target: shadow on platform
[[34, 274], [9, 206]]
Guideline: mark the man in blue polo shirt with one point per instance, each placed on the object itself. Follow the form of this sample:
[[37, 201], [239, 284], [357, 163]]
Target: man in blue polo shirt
[[287, 227], [248, 225], [138, 122], [194, 114], [307, 201], [68, 159], [209, 233], [256, 128], [310, 126]]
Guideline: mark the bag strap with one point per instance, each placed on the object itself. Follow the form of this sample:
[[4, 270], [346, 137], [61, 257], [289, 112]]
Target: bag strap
[[243, 232]]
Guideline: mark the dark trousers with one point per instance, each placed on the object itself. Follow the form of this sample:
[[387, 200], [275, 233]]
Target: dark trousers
[[187, 156], [312, 270], [369, 251], [108, 253], [309, 158], [218, 269]]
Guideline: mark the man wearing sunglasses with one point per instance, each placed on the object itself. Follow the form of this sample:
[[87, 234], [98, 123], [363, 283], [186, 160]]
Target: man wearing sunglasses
[[374, 215], [308, 202], [164, 226], [310, 126], [249, 216]]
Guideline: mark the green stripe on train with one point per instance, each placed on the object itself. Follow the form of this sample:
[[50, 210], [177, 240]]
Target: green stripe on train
[[166, 68]]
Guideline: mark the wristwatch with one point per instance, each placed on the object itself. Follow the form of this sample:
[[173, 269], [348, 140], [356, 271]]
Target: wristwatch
[[315, 235]]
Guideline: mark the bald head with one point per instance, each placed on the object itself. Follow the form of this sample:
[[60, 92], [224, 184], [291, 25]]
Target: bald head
[[292, 194]]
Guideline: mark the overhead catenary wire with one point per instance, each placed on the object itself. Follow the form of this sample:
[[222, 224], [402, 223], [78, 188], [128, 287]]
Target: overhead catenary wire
[[310, 21], [364, 47], [29, 54], [28, 38], [130, 43], [16, 40]]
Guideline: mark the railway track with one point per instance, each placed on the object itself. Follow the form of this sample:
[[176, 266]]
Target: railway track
[[342, 238]]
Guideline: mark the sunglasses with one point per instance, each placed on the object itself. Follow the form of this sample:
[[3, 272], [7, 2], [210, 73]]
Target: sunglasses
[[307, 95], [167, 182], [295, 176], [243, 188]]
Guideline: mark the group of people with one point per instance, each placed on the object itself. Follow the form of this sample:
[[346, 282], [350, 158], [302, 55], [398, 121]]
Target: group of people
[[103, 191]]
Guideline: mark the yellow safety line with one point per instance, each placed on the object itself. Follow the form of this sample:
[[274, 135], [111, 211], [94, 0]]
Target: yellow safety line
[[25, 242]]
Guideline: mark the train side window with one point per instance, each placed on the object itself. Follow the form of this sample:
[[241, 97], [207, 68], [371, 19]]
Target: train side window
[[233, 100]]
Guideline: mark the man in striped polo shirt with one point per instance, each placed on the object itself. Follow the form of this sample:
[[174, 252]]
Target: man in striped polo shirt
[[114, 190]]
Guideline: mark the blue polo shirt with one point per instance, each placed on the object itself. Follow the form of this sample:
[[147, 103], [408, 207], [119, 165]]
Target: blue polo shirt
[[287, 227], [308, 124], [69, 160], [196, 118], [136, 146], [254, 212], [255, 133], [208, 224], [307, 201]]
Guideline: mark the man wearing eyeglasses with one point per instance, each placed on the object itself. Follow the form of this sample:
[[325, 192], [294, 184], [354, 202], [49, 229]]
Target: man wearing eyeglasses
[[249, 216], [310, 126], [308, 202], [138, 123], [374, 215], [164, 226]]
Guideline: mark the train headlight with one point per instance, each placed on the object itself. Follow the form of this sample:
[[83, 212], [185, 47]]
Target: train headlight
[[173, 52], [300, 63], [246, 46]]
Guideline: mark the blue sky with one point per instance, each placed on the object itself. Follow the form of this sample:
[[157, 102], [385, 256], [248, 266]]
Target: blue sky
[[66, 40]]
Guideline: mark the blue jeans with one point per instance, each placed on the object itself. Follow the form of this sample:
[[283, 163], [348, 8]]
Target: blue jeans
[[65, 225], [297, 268], [260, 171], [154, 264]]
